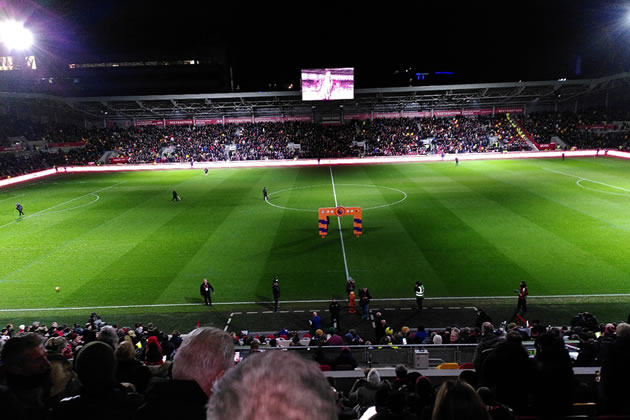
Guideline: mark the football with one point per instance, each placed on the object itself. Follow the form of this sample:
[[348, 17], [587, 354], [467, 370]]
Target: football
[[57, 289]]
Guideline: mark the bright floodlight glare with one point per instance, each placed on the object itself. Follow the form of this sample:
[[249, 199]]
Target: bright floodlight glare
[[15, 36]]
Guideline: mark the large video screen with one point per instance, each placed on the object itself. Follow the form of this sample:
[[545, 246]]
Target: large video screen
[[327, 84]]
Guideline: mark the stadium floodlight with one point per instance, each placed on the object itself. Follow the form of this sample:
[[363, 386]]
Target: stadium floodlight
[[15, 36]]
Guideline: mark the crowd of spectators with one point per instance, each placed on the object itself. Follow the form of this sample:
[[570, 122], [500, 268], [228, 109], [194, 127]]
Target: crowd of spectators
[[588, 129], [51, 372], [292, 140], [259, 141]]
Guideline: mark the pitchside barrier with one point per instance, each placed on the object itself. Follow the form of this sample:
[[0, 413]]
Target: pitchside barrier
[[309, 162], [339, 211]]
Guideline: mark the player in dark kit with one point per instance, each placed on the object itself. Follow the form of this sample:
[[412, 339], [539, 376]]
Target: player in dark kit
[[205, 171], [335, 311], [265, 195], [175, 196], [205, 292], [275, 289], [522, 297], [19, 208]]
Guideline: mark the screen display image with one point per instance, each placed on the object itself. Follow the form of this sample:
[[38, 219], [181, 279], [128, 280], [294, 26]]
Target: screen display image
[[327, 84]]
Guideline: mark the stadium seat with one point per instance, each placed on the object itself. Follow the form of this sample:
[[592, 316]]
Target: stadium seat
[[325, 368], [466, 366], [448, 366]]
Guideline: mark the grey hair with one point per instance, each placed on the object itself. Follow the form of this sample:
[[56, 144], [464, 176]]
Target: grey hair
[[109, 335], [373, 377], [623, 330], [205, 353], [255, 390]]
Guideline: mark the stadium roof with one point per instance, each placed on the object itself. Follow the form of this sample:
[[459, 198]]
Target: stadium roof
[[546, 94]]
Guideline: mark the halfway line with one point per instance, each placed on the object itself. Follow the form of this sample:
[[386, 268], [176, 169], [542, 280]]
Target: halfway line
[[343, 248]]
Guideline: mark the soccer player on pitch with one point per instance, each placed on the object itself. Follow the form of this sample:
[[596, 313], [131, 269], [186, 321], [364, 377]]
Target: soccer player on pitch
[[19, 208], [175, 196], [265, 195]]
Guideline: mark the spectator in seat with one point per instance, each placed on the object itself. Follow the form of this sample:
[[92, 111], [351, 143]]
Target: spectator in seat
[[507, 372], [26, 371], [458, 400], [153, 355], [345, 360], [203, 357], [488, 341], [363, 392], [553, 377], [100, 395], [129, 369], [254, 390], [615, 373]]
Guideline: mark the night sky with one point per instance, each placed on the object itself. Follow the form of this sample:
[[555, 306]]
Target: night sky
[[268, 42]]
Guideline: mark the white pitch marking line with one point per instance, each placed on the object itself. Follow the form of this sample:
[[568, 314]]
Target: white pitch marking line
[[12, 197], [453, 307], [229, 320], [470, 307], [267, 312], [343, 248], [299, 311], [405, 309], [284, 312], [225, 329], [164, 305], [581, 178], [251, 313], [61, 204]]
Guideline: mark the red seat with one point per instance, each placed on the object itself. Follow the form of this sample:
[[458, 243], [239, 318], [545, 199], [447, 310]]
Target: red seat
[[325, 368]]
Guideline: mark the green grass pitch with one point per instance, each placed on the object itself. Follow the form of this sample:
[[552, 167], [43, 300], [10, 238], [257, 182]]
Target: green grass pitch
[[477, 229]]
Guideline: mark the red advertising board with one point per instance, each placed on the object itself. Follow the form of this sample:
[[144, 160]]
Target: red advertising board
[[119, 123], [418, 114], [208, 121], [118, 160], [238, 120], [141, 123], [387, 115], [179, 122], [350, 117], [596, 127], [11, 148], [304, 118], [447, 112], [469, 112], [267, 119], [68, 144], [515, 110], [547, 146]]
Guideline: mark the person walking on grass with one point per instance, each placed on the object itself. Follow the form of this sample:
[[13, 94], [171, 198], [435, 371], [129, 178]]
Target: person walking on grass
[[19, 208]]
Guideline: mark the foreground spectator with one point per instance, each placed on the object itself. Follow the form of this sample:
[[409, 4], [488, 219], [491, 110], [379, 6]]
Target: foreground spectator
[[203, 357], [130, 369], [615, 374], [100, 395], [255, 390], [26, 370], [458, 400]]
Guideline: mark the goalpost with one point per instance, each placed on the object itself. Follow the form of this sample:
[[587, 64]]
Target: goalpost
[[325, 212]]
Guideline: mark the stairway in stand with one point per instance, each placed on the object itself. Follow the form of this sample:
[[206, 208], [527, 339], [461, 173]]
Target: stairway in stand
[[523, 134]]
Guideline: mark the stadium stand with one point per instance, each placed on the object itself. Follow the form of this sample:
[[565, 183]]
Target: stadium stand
[[40, 146], [45, 371]]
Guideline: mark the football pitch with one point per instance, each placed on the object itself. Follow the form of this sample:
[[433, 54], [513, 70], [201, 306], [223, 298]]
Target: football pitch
[[473, 230]]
